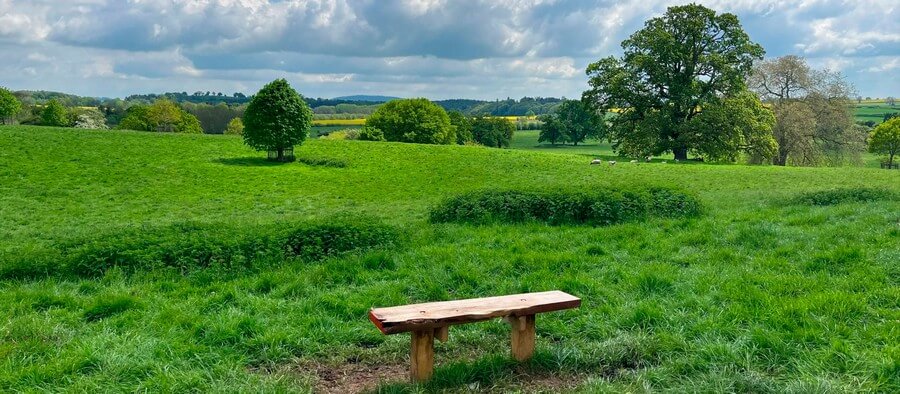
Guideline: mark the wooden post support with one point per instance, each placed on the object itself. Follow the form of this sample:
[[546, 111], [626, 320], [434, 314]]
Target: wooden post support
[[421, 355], [442, 333], [522, 336]]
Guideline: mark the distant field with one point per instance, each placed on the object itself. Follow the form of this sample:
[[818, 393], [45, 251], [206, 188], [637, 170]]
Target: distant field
[[765, 291], [528, 140], [874, 111], [339, 122]]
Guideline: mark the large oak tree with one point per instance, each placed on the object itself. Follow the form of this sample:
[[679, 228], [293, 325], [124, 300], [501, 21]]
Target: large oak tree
[[678, 66]]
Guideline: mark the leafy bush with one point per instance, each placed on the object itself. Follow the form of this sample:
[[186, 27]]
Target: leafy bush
[[561, 207], [322, 162], [186, 247], [371, 134], [413, 120], [838, 196]]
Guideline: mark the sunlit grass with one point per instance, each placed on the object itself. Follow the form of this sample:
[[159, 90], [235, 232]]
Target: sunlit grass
[[760, 293]]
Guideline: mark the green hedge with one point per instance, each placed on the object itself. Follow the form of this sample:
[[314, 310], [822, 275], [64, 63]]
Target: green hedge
[[838, 196], [602, 207], [190, 246]]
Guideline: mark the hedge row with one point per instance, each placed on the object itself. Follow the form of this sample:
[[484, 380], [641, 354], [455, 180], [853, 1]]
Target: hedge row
[[186, 247], [845, 195], [601, 207]]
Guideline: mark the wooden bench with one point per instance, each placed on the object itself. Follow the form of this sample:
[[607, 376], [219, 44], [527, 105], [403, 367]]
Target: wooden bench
[[433, 320]]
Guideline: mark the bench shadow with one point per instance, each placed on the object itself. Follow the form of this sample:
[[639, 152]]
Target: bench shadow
[[545, 372], [250, 161]]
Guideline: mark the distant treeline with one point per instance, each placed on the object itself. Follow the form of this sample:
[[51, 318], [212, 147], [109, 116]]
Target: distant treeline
[[526, 106]]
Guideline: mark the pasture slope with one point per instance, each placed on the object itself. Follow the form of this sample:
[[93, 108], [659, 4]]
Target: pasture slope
[[765, 291]]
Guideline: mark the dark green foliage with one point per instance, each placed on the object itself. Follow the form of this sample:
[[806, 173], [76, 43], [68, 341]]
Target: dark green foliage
[[673, 69], [579, 121], [463, 127], [187, 247], [552, 130], [322, 161], [845, 195], [106, 306], [413, 120], [370, 134], [161, 116], [54, 114], [276, 119], [565, 207], [493, 132], [316, 242], [9, 105]]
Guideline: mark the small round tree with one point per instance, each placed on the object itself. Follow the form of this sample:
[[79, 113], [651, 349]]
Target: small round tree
[[235, 127], [54, 114], [413, 120], [9, 105], [277, 119], [885, 139]]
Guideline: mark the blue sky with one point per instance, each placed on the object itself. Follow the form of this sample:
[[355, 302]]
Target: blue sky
[[433, 48]]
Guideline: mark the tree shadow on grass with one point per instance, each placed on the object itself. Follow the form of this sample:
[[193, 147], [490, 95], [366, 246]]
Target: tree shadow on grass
[[250, 161]]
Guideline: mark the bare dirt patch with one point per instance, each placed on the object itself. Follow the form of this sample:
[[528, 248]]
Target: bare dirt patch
[[354, 378]]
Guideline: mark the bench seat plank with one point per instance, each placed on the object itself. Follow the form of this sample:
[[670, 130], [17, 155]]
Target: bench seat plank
[[397, 319]]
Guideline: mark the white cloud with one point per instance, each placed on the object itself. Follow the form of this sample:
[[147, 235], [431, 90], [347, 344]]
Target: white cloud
[[439, 48]]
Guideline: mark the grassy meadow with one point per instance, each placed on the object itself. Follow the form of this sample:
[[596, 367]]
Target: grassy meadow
[[774, 287]]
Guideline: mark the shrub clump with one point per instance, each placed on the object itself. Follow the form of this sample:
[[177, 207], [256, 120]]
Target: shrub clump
[[323, 162], [186, 247], [565, 207], [845, 195]]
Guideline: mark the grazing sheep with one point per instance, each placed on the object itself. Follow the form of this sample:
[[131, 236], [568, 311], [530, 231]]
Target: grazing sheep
[[664, 162], [612, 162], [649, 158], [596, 161], [633, 161]]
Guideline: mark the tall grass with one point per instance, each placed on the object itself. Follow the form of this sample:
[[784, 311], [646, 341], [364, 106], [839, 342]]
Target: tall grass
[[756, 294]]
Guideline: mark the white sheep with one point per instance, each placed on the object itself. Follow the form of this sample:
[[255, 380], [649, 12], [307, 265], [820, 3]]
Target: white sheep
[[596, 161], [633, 161], [612, 162]]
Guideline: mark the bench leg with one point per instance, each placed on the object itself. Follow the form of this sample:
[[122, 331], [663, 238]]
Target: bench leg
[[522, 336], [421, 355]]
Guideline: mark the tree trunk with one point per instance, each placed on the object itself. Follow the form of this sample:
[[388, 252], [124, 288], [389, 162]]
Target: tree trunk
[[680, 153], [781, 158], [280, 154]]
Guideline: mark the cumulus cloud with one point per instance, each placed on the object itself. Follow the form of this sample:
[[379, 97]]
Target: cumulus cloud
[[437, 48]]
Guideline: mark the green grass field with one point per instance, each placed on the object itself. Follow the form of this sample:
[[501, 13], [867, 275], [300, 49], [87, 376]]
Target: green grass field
[[873, 111], [761, 293]]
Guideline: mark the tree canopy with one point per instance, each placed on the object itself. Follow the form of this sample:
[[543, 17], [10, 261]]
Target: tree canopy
[[277, 119], [463, 126], [54, 114], [9, 105], [885, 139], [813, 112], [413, 120], [163, 116], [680, 64], [492, 131]]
